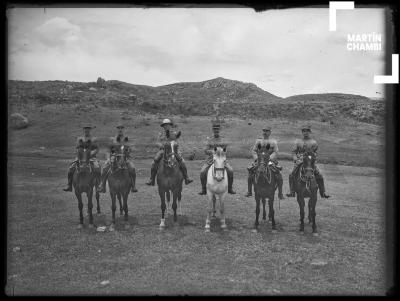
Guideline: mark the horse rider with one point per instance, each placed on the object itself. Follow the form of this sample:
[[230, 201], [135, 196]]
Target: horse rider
[[263, 141], [116, 142], [298, 150], [215, 141], [86, 141], [167, 135]]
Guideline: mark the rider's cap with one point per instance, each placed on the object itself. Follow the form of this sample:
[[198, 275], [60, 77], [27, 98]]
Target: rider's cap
[[166, 121], [306, 127], [120, 126], [87, 126], [266, 128]]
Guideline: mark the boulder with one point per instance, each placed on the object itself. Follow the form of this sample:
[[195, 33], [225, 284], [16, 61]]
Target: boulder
[[92, 89], [18, 121]]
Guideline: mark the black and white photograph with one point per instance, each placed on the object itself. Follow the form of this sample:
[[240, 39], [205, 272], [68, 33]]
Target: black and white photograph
[[185, 150]]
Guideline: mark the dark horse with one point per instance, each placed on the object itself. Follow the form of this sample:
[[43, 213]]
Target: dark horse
[[119, 183], [306, 186], [169, 179], [265, 185], [83, 181]]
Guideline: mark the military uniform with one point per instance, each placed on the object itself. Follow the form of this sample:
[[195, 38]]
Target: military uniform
[[116, 143], [163, 138], [273, 159], [300, 147], [87, 141], [215, 141]]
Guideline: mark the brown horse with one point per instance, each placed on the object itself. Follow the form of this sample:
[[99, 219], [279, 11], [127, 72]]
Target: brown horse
[[119, 184], [83, 181], [265, 185], [306, 186], [169, 180]]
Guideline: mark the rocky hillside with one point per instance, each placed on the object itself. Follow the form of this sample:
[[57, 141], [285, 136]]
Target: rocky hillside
[[244, 100]]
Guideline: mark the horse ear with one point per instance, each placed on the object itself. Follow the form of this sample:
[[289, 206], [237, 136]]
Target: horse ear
[[80, 140], [178, 134], [126, 139], [215, 148], [259, 146], [224, 149], [268, 146]]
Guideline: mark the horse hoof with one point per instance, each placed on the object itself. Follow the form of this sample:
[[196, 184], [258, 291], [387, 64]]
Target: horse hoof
[[111, 229], [207, 230], [301, 232], [315, 234], [121, 213], [91, 226], [274, 231], [79, 227], [254, 230], [127, 226], [98, 213]]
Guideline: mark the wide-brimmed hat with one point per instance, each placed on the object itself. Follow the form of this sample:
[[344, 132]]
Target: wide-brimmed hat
[[166, 121], [266, 128], [120, 126], [88, 126]]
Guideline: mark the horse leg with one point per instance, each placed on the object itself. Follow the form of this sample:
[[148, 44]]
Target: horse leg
[[209, 209], [168, 195], [163, 207], [98, 202], [300, 201], [256, 223], [174, 205], [179, 203], [214, 200], [80, 206], [264, 213], [90, 207], [312, 202], [121, 206], [126, 219], [222, 210], [113, 208], [271, 211]]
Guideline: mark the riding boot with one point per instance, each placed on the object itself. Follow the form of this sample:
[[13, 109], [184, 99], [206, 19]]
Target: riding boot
[[249, 185], [280, 184], [291, 185], [185, 175], [133, 181], [321, 186], [203, 181], [98, 181], [70, 176], [103, 180], [230, 183], [153, 173]]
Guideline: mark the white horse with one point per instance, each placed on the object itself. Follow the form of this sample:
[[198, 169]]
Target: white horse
[[217, 185]]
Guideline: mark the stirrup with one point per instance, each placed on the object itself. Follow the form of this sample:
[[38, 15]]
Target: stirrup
[[151, 182], [203, 192], [231, 191], [188, 181], [248, 194], [291, 195]]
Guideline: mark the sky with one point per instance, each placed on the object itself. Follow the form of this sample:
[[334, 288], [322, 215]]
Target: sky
[[285, 52]]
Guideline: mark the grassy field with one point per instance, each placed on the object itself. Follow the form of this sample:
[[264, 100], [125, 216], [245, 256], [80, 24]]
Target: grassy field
[[55, 258]]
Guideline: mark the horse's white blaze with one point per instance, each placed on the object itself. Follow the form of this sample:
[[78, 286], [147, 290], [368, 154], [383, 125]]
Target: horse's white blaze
[[162, 224]]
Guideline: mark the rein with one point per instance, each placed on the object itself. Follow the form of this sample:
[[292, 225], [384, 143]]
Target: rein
[[267, 170]]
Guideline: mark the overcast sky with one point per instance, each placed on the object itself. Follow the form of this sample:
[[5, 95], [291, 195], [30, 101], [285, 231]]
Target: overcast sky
[[285, 52]]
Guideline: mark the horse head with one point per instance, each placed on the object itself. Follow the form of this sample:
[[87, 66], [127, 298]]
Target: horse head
[[263, 154], [170, 152], [83, 159], [219, 159], [309, 164], [119, 156]]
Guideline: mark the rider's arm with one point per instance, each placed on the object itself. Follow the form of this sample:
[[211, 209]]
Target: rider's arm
[[160, 140], [254, 150], [274, 154], [295, 150]]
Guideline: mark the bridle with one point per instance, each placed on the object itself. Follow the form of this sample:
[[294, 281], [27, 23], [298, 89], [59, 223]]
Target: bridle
[[218, 154], [170, 158], [307, 169], [119, 159], [84, 163], [263, 168]]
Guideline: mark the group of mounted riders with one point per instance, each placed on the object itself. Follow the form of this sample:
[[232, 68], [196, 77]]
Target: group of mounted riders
[[301, 146]]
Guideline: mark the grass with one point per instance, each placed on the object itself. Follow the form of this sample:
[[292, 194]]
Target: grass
[[57, 259]]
